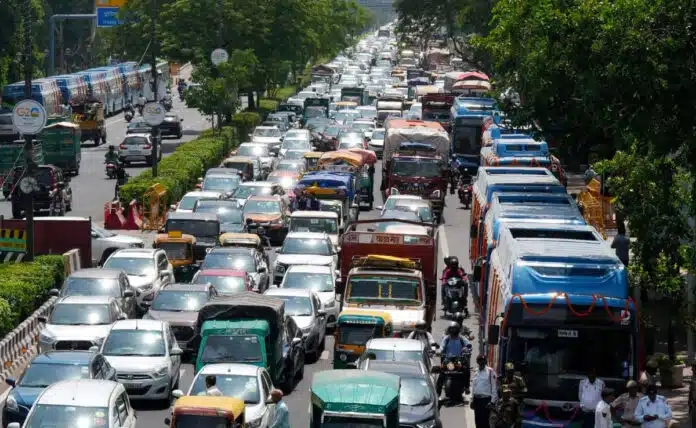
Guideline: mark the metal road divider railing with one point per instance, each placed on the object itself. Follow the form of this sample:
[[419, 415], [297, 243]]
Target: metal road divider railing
[[22, 344]]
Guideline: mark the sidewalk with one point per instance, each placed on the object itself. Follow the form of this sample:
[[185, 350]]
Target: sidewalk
[[678, 401]]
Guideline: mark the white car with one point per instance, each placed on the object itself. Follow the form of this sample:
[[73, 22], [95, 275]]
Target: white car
[[146, 357], [304, 306], [188, 202], [320, 279], [376, 143], [256, 150], [79, 322], [148, 270], [81, 403], [299, 134], [315, 221], [304, 248], [398, 349], [295, 143], [415, 112], [394, 200], [105, 242], [246, 382], [269, 135]]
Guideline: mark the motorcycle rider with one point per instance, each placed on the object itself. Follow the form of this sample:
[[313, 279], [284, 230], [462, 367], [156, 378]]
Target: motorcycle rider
[[452, 346], [454, 168], [111, 156], [141, 103], [453, 271], [421, 333]]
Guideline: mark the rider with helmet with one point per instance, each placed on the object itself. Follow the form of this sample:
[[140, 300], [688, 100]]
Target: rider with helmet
[[452, 271], [421, 333], [452, 346]]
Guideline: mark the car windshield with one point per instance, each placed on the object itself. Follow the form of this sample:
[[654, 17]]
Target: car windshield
[[319, 247], [225, 260], [254, 151], [356, 334], [43, 375], [289, 166], [244, 192], [225, 213], [245, 388], [349, 143], [179, 300], [372, 287], [294, 155], [223, 284], [299, 306], [201, 421], [296, 144], [267, 132], [134, 266], [59, 416], [91, 287], [394, 355], [231, 349], [414, 392], [416, 168], [80, 314], [360, 126], [378, 135], [332, 131], [261, 207], [138, 125], [226, 183], [320, 282], [286, 181], [424, 212], [334, 208], [136, 343], [302, 224], [135, 141], [188, 202], [197, 228]]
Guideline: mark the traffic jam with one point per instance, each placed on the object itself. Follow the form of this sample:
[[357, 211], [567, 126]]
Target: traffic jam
[[282, 258]]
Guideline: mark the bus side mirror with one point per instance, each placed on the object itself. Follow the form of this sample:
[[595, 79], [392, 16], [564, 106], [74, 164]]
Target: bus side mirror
[[477, 273], [493, 334], [473, 232]]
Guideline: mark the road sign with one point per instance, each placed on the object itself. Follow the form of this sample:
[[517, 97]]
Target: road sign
[[107, 17], [154, 113], [29, 117], [110, 3], [218, 56], [13, 240]]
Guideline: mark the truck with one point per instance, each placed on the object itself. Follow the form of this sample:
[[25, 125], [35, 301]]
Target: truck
[[437, 108], [315, 107], [415, 161], [353, 94], [454, 77], [468, 116], [388, 105], [58, 235], [407, 262], [61, 146]]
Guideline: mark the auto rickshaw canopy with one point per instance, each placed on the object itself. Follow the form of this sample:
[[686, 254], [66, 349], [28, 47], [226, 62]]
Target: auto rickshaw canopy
[[165, 241], [230, 407], [356, 391], [240, 240], [368, 316], [341, 156]]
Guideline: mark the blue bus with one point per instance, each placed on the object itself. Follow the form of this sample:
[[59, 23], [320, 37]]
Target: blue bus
[[44, 91], [467, 115], [71, 86], [113, 87]]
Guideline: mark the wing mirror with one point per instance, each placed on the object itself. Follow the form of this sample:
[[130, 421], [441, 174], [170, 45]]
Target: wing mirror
[[54, 292], [296, 341], [177, 393], [94, 349], [122, 316], [13, 425], [42, 319], [379, 207], [10, 381], [128, 293], [321, 313], [176, 352]]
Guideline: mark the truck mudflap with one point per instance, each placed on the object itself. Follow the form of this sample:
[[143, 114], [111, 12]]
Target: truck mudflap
[[358, 241]]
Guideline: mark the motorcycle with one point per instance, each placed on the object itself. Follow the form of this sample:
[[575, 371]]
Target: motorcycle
[[457, 374], [167, 104], [140, 109], [464, 190], [455, 296], [111, 170]]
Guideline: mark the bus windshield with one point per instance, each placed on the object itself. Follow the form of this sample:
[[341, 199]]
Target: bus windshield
[[467, 139]]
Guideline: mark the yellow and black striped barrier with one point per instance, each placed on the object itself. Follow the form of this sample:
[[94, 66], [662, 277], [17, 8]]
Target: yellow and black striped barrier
[[13, 240]]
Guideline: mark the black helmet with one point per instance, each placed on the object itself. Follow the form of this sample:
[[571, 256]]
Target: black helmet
[[453, 262], [453, 328], [459, 318], [421, 325], [111, 147]]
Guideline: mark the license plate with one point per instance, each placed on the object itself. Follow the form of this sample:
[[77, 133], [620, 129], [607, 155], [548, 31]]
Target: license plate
[[131, 385]]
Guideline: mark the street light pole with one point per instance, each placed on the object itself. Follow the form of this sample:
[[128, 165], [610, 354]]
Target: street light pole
[[155, 129], [28, 146]]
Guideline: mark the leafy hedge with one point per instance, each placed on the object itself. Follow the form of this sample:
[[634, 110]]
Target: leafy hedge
[[179, 172], [245, 123], [24, 287]]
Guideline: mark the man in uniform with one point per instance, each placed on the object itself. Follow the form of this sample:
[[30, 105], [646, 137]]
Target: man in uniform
[[515, 382], [506, 413]]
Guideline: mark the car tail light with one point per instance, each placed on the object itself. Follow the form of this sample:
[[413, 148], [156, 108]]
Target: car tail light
[[396, 334], [147, 146], [468, 188], [122, 147]]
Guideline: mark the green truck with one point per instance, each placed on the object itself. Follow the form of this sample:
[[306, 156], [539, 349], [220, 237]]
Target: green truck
[[61, 146], [250, 328], [354, 398], [357, 95]]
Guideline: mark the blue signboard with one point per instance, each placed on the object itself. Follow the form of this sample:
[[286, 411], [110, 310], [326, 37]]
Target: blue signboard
[[107, 17]]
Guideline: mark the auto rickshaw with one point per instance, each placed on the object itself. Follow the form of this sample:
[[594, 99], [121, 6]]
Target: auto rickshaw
[[88, 113], [247, 240], [360, 162], [350, 337], [312, 160], [346, 105], [354, 398], [332, 185], [198, 411], [244, 164], [179, 248]]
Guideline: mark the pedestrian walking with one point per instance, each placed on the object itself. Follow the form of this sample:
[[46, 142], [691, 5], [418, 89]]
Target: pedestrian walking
[[653, 411], [589, 395], [626, 403], [647, 378], [484, 392], [211, 388], [621, 244], [281, 419], [603, 412]]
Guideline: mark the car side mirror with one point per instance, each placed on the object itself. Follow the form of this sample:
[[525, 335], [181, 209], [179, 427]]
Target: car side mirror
[[93, 349], [10, 381], [128, 293], [296, 341], [321, 313], [473, 232], [493, 334], [355, 206], [167, 421], [13, 425], [177, 393], [53, 292], [172, 207], [94, 235], [176, 352], [42, 319], [122, 316], [379, 207], [164, 275]]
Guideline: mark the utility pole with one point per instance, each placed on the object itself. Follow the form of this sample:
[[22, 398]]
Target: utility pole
[[28, 145], [155, 129]]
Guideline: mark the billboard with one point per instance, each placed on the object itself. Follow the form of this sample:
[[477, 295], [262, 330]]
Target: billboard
[[107, 12]]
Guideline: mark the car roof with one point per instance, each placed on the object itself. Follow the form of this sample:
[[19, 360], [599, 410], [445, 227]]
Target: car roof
[[310, 269], [314, 214], [307, 235], [400, 368], [396, 343], [137, 134], [84, 300], [266, 127], [257, 183], [79, 393], [192, 216], [289, 292], [230, 368], [138, 253], [203, 194], [222, 272], [268, 198], [138, 325], [411, 197], [64, 357], [185, 287], [96, 273], [233, 250], [253, 144]]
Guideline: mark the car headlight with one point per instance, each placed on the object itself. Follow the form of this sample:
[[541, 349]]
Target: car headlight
[[256, 423], [280, 268], [11, 403], [164, 371], [426, 424], [330, 304], [306, 330], [45, 338], [436, 194], [145, 287]]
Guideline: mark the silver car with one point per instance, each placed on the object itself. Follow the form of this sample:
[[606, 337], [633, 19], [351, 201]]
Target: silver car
[[137, 148], [320, 279], [146, 357], [79, 322]]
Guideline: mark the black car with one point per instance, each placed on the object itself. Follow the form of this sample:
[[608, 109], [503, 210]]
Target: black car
[[292, 364], [138, 127], [205, 227], [49, 178], [227, 210], [100, 282], [171, 125]]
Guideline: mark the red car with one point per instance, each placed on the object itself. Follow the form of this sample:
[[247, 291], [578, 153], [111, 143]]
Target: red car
[[226, 281]]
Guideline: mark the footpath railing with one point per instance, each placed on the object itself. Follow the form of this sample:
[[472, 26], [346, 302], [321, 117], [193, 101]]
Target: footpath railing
[[21, 344]]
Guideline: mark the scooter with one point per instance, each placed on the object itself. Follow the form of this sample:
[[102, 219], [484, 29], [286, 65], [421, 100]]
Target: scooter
[[456, 295], [464, 191], [111, 170]]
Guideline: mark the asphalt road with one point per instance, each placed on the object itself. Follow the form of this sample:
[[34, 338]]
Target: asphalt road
[[455, 231], [92, 189]]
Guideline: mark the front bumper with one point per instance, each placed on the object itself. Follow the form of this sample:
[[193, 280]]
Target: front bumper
[[169, 130], [144, 386]]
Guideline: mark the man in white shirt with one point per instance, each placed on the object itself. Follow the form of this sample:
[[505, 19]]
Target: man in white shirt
[[603, 410], [211, 388], [484, 392], [589, 395], [652, 410]]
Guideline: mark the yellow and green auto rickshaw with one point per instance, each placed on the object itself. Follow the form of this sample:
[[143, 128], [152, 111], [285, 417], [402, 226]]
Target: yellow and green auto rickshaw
[[179, 248], [312, 160], [353, 329], [209, 411], [354, 398]]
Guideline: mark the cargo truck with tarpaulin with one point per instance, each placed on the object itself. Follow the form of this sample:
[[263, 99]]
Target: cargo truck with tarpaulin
[[315, 107], [467, 117], [387, 105], [559, 308], [454, 77], [438, 108], [324, 73], [420, 251]]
